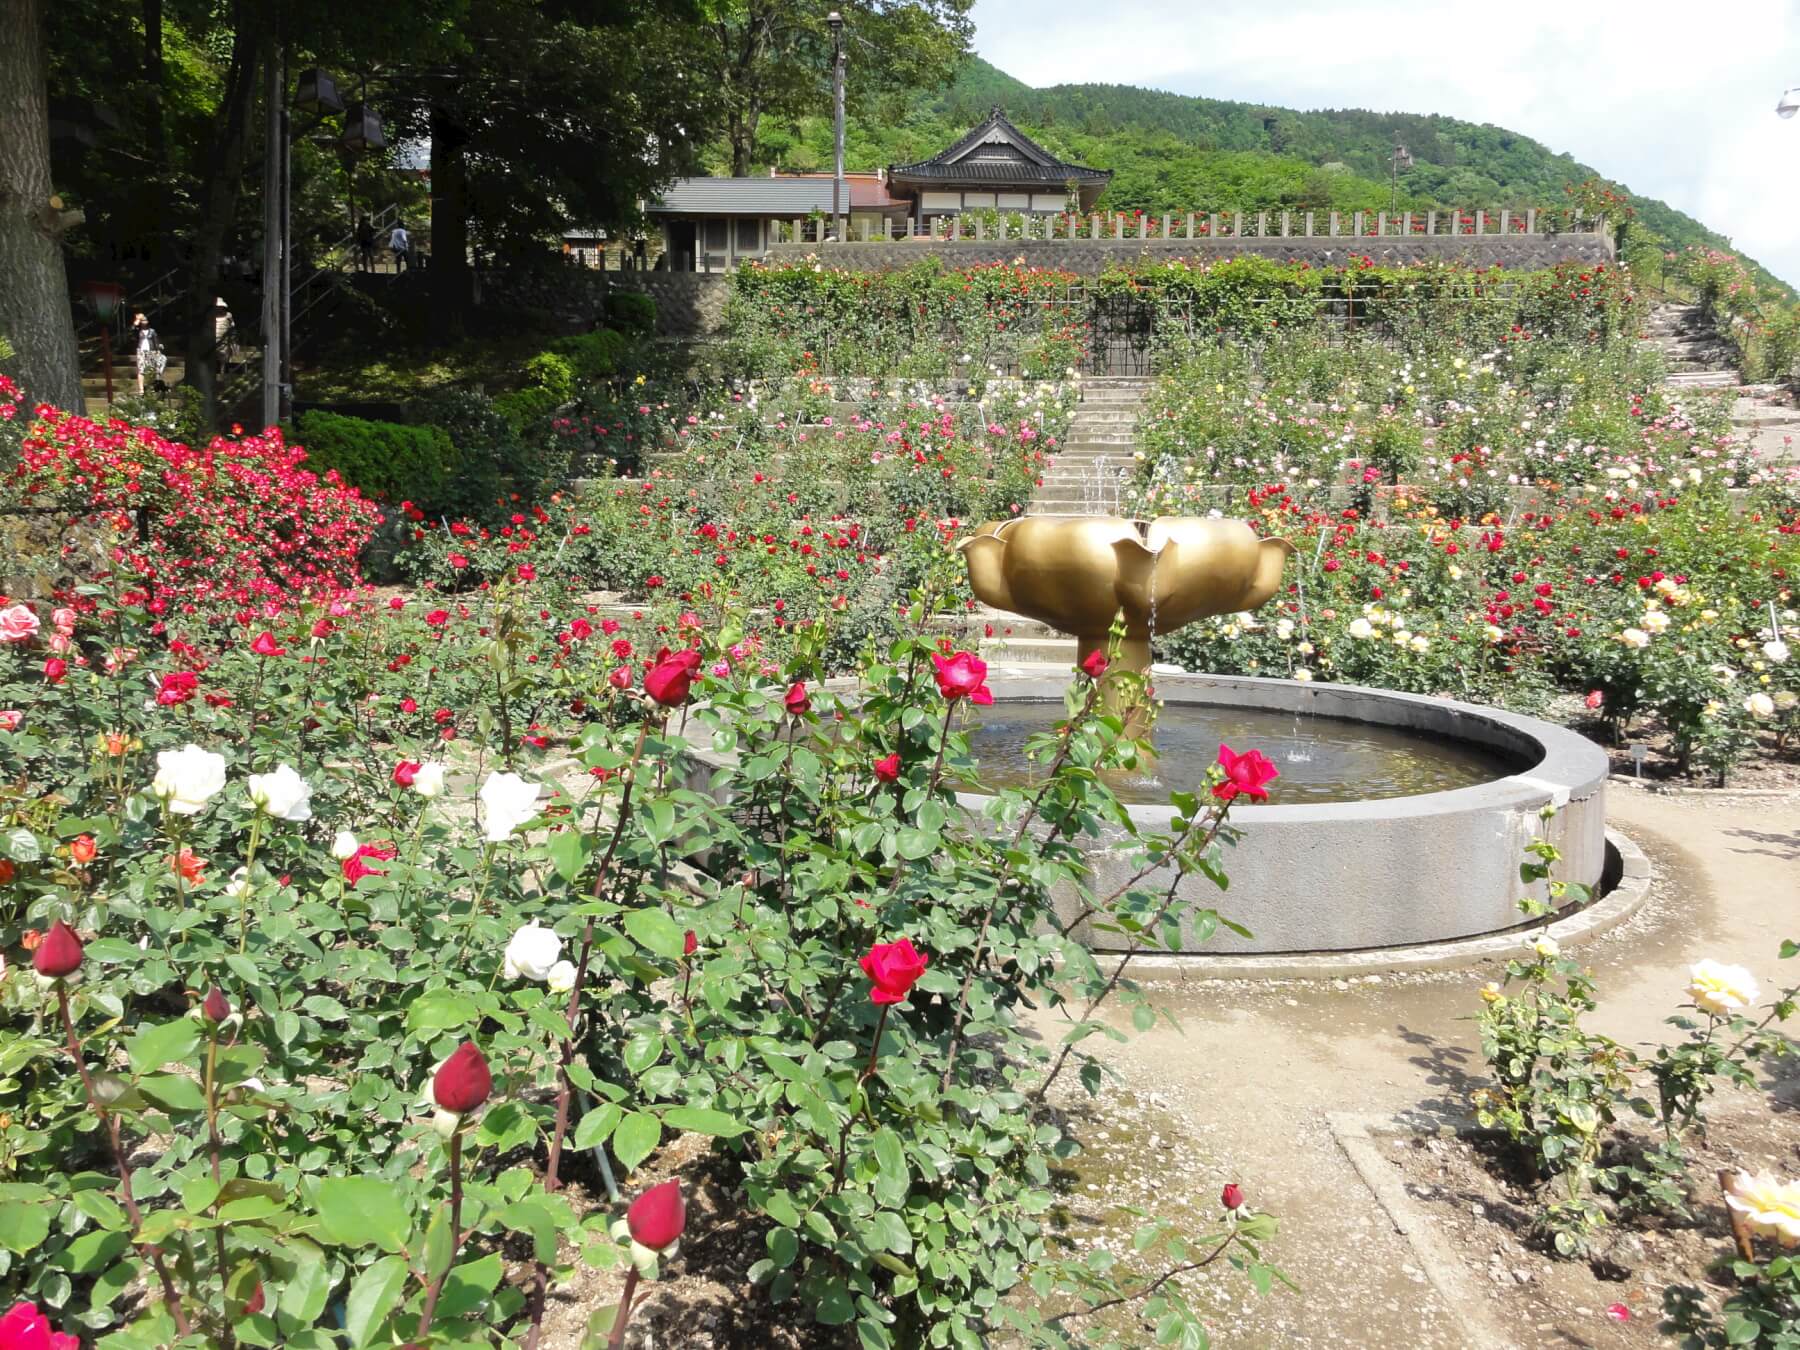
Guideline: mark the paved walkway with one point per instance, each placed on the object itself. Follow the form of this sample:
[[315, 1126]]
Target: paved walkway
[[1242, 1091]]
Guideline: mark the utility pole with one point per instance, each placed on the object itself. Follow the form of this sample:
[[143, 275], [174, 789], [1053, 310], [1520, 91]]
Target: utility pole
[[1402, 158], [838, 204], [273, 145]]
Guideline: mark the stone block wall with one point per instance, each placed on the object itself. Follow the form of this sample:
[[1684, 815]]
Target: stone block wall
[[688, 304], [1090, 257]]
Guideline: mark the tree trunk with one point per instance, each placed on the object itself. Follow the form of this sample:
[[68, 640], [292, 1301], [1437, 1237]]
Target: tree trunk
[[155, 140], [449, 274], [34, 290], [225, 167]]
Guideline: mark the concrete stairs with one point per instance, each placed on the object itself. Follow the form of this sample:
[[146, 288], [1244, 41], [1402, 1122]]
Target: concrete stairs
[[1698, 358], [1085, 474]]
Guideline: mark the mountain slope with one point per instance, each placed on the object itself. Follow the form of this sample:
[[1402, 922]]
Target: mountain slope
[[1176, 152]]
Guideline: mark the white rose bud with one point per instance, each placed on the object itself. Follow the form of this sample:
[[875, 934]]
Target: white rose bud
[[561, 978], [1546, 947], [344, 845], [284, 794], [188, 778], [508, 801], [429, 780], [532, 954]]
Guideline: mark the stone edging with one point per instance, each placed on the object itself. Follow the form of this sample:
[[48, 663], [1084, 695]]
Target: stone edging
[[1625, 780], [1621, 903], [1357, 1136]]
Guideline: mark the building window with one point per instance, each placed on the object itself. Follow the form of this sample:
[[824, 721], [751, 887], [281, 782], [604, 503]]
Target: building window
[[749, 236]]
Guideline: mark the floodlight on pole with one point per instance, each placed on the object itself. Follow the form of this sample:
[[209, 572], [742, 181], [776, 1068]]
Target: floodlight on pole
[[1789, 103], [835, 22]]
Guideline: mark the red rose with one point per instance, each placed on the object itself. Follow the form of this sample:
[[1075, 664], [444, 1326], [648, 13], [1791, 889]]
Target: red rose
[[658, 1217], [796, 701], [690, 943], [264, 644], [405, 771], [463, 1081], [59, 954], [1247, 774], [670, 679], [215, 1006], [438, 618], [527, 572], [581, 628], [1095, 665], [1232, 1197], [55, 669], [893, 967], [620, 678], [355, 869], [25, 1328], [888, 770], [409, 705], [178, 686], [83, 849], [963, 675]]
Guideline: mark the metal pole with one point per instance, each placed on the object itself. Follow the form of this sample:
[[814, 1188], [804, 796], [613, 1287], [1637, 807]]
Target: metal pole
[[287, 268], [836, 21], [271, 297], [107, 357]]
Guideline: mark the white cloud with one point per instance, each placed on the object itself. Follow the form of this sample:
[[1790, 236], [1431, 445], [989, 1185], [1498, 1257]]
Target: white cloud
[[1675, 101]]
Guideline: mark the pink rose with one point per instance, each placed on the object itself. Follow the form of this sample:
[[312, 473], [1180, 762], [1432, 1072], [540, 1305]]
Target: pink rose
[[11, 719], [963, 675], [893, 968], [64, 619], [18, 623]]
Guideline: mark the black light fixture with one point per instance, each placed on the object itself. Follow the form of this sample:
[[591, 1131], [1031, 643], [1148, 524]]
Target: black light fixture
[[317, 93], [362, 129]]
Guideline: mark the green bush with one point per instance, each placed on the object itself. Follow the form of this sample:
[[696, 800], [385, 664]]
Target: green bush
[[594, 356], [419, 464], [526, 408], [630, 312], [551, 372]]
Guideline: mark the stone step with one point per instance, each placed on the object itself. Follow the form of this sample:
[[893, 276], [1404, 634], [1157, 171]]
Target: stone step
[[1049, 650], [1711, 379], [1087, 412], [1009, 627]]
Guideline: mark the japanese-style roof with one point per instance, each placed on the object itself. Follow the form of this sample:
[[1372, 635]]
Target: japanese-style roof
[[743, 197], [997, 152]]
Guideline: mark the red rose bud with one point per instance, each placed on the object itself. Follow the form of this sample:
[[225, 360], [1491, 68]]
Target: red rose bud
[[1232, 1197], [670, 679], [404, 772], [215, 1005], [796, 701], [83, 849], [256, 1302], [962, 675], [658, 1217], [463, 1082], [59, 954], [888, 770], [264, 644], [893, 968], [1095, 665], [55, 669], [690, 944], [1248, 774]]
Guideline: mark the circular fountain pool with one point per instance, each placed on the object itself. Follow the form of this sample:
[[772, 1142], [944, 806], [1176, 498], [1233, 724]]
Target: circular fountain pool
[[1321, 759], [1407, 825]]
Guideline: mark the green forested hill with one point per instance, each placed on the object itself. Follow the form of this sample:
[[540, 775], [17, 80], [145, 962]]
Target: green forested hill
[[1173, 152]]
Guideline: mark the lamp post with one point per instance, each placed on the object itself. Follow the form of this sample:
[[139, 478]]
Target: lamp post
[[103, 299], [836, 23], [1402, 159]]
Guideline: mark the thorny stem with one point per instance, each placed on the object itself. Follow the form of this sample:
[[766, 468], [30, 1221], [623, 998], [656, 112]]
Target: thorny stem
[[867, 1073], [1154, 1285], [617, 1340], [171, 1300], [256, 821], [437, 1285], [213, 1148]]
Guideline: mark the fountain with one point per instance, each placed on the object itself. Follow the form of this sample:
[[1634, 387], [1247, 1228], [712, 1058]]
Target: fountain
[[1402, 819]]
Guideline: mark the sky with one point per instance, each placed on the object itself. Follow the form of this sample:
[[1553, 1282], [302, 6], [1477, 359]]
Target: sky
[[1675, 100]]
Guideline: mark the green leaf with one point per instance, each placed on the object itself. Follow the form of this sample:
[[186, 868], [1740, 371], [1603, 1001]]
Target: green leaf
[[23, 1225], [469, 1287], [894, 1180], [703, 1120], [636, 1138], [173, 1092], [440, 1010], [373, 1295], [21, 845], [1740, 1330], [656, 932], [169, 1042], [887, 1230], [355, 1211], [597, 1125], [834, 1307], [784, 1247], [91, 1251], [568, 851], [913, 843]]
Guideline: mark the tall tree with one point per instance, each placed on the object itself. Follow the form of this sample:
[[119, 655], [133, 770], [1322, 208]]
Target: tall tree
[[771, 59], [34, 288]]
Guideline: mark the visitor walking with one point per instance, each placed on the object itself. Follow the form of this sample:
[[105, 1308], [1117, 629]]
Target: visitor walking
[[399, 242], [149, 351], [365, 245], [224, 334]]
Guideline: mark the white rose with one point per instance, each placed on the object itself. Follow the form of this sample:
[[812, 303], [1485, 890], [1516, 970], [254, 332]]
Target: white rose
[[1284, 629], [1770, 1207], [1721, 989], [1635, 637], [284, 794], [1656, 622], [1776, 651], [1759, 704], [239, 885], [428, 779], [1492, 633], [1419, 644], [1546, 947], [1362, 628], [188, 778], [344, 845], [508, 802], [561, 978], [532, 954], [1302, 674]]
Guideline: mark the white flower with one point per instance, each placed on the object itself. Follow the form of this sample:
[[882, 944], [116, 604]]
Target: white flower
[[1759, 704], [1362, 628], [1419, 644], [1492, 633], [1656, 622], [1776, 651], [188, 778], [1546, 947], [284, 794], [1720, 989], [561, 978], [1302, 674], [1635, 637], [344, 845], [428, 779], [508, 802], [532, 954], [1770, 1207], [239, 885], [1284, 629]]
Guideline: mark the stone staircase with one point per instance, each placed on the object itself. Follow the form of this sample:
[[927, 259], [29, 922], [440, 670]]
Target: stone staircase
[[1085, 475], [1765, 415]]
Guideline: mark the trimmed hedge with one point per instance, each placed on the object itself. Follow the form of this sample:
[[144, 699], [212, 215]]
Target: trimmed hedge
[[388, 460], [594, 356], [630, 311]]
